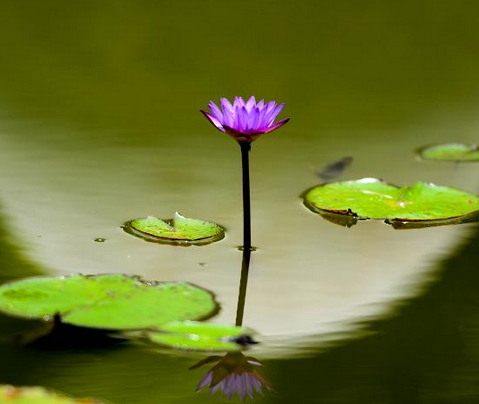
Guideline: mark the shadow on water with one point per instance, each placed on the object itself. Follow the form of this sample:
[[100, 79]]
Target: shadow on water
[[427, 352], [13, 265]]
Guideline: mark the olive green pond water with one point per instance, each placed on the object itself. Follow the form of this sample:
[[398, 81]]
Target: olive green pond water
[[100, 124]]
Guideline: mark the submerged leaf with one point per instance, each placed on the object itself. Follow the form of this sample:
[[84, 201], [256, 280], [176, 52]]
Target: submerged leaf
[[179, 230], [190, 335], [450, 152], [371, 198], [37, 395], [109, 301]]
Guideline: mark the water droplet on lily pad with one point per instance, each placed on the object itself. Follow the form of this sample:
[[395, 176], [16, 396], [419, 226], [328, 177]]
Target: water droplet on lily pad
[[457, 152], [420, 205], [190, 335], [178, 231], [36, 395], [108, 301]]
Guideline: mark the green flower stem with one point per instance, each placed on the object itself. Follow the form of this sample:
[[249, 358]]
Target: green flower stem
[[245, 149], [243, 286]]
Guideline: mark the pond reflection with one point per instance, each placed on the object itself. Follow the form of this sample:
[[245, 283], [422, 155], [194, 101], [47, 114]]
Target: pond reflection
[[233, 373]]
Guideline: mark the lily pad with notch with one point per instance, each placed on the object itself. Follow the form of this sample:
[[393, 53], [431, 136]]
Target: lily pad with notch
[[37, 395], [454, 152], [177, 231], [107, 301], [197, 336], [420, 205]]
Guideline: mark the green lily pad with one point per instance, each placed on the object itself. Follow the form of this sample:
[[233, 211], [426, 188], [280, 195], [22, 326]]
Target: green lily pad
[[190, 335], [109, 301], [179, 230], [37, 395], [369, 198], [450, 152]]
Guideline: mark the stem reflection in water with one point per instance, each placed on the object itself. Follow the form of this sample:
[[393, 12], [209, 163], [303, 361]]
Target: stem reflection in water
[[235, 372]]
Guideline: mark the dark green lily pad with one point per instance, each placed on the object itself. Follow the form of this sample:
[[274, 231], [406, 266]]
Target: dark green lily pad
[[190, 335], [458, 152], [424, 204], [179, 230], [37, 395], [109, 301]]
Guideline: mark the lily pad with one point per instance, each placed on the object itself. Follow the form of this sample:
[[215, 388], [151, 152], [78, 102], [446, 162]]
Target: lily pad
[[370, 198], [37, 395], [190, 335], [109, 301], [179, 230], [458, 152]]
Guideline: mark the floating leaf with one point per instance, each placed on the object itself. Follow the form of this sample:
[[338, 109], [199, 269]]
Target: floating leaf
[[371, 198], [190, 335], [36, 395], [450, 152], [109, 301], [179, 230]]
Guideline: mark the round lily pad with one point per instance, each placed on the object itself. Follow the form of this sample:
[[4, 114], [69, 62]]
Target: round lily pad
[[190, 335], [370, 198], [179, 230], [109, 301], [37, 395], [450, 152]]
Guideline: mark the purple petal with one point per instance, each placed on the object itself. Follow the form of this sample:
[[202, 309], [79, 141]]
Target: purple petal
[[276, 125], [275, 113], [256, 383], [251, 103], [242, 386], [238, 103], [269, 107], [229, 386], [241, 119], [216, 111], [214, 389], [213, 120], [260, 105], [268, 116], [253, 120], [228, 112], [268, 111], [249, 385], [262, 119], [205, 381]]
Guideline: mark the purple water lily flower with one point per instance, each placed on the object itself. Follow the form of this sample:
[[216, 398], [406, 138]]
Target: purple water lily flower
[[245, 121], [234, 373]]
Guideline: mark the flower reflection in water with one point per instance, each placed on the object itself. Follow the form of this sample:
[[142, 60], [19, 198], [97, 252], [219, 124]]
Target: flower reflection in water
[[234, 373]]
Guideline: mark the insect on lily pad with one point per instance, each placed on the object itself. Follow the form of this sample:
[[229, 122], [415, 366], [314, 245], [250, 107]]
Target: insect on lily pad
[[37, 395], [455, 152], [191, 335], [177, 231], [108, 301], [420, 205]]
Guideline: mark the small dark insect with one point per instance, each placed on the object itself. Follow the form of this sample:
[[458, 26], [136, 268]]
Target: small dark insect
[[334, 170]]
